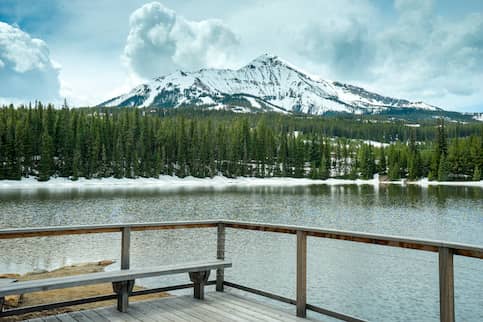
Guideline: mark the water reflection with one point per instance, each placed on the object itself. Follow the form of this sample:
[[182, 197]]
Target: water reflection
[[373, 282]]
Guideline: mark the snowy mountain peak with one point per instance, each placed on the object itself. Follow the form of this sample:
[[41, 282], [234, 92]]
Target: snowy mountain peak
[[267, 83], [265, 59]]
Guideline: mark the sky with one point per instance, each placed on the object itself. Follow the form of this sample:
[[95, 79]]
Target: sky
[[89, 51]]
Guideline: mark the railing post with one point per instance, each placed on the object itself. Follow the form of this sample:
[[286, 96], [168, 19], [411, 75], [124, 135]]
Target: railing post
[[220, 254], [301, 274], [446, 285], [123, 295]]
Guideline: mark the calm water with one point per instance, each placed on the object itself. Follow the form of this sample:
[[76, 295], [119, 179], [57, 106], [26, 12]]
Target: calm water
[[373, 282]]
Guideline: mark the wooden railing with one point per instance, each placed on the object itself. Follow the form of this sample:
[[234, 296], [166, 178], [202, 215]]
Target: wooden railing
[[446, 251]]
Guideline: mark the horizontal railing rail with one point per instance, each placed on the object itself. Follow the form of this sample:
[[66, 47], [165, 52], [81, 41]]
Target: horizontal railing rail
[[10, 233], [384, 240], [445, 252]]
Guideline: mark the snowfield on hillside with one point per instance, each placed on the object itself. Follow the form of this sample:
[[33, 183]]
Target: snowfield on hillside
[[268, 83]]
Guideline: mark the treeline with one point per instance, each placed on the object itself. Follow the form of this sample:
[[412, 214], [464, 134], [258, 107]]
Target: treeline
[[93, 143], [372, 127]]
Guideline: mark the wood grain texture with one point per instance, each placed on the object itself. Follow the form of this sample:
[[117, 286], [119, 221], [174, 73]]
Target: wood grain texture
[[301, 265], [384, 240], [217, 307], [220, 255], [123, 293], [446, 285], [108, 277], [12, 233]]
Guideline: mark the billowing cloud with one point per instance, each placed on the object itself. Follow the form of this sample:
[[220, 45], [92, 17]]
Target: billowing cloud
[[418, 49], [429, 56], [419, 55], [160, 41], [343, 46], [26, 70]]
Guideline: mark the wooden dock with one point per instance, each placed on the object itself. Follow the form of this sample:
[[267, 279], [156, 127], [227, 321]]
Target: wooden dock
[[223, 306], [215, 307]]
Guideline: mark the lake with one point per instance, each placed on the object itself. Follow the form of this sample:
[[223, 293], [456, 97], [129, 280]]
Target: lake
[[372, 282]]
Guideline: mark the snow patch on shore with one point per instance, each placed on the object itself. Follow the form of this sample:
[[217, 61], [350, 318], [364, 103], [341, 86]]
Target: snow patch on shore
[[425, 182], [218, 182], [170, 182]]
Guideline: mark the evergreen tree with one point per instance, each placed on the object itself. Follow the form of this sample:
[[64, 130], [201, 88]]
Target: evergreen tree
[[443, 170], [477, 174], [414, 163], [133, 142], [46, 159], [366, 162], [440, 149], [382, 166], [394, 172], [323, 170]]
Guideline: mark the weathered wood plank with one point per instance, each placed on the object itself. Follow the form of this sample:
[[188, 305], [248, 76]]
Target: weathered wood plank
[[218, 307], [384, 240], [181, 310], [263, 309], [166, 311], [10, 233], [80, 317], [107, 277], [224, 311], [123, 294], [301, 288], [446, 285], [50, 319], [241, 312], [141, 313], [93, 316], [115, 316], [194, 308], [6, 281], [220, 254], [65, 318]]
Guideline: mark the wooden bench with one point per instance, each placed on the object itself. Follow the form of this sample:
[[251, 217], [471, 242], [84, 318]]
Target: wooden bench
[[122, 280], [3, 282]]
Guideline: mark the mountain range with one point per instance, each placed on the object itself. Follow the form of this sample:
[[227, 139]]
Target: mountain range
[[268, 83]]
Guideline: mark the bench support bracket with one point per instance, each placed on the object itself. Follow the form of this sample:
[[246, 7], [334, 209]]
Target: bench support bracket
[[123, 289], [199, 279]]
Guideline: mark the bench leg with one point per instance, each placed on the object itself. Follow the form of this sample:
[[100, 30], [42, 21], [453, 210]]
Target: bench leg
[[2, 302], [123, 289], [199, 279]]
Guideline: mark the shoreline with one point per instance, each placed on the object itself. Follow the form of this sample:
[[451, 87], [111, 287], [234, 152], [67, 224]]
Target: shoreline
[[219, 182]]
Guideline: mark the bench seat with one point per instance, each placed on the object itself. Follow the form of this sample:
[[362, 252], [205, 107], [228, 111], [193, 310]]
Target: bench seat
[[199, 272]]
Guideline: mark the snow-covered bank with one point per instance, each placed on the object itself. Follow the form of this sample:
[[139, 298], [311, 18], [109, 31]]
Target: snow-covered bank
[[219, 182], [170, 182], [425, 182]]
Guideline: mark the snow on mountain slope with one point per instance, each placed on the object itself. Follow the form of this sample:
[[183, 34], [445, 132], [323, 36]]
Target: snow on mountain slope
[[268, 83]]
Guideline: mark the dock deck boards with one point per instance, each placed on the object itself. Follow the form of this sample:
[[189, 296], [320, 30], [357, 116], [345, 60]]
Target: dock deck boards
[[216, 307]]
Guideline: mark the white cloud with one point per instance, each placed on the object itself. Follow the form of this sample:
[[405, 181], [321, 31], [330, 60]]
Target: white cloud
[[429, 57], [160, 42], [417, 50], [417, 55], [26, 69]]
